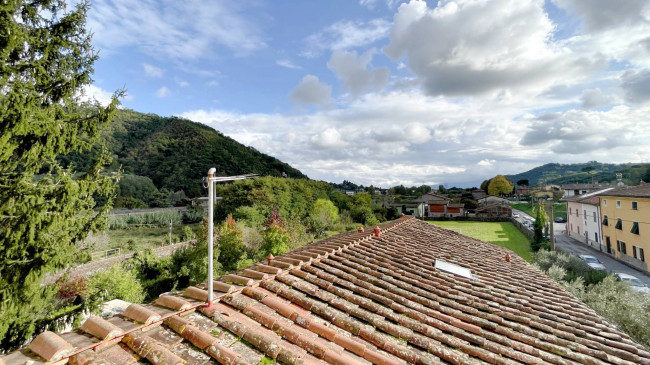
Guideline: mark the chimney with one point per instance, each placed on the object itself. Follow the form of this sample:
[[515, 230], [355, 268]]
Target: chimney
[[269, 258], [360, 230], [377, 231]]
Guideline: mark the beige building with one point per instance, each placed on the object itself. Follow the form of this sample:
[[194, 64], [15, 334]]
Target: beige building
[[626, 224]]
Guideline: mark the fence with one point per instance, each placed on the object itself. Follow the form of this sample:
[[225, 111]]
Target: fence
[[105, 254]]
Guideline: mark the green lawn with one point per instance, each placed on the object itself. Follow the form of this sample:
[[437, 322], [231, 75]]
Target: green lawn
[[559, 209], [503, 234]]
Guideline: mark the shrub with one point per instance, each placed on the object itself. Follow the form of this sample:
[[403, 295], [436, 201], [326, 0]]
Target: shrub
[[251, 215], [193, 214], [72, 287], [188, 233], [118, 283], [231, 245], [130, 245], [275, 238]]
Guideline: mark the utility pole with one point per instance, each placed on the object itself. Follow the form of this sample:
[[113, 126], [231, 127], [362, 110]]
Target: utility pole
[[170, 231], [552, 243], [211, 180]]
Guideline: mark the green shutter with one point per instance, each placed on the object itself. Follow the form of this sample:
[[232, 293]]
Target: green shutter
[[635, 228], [619, 224], [605, 223]]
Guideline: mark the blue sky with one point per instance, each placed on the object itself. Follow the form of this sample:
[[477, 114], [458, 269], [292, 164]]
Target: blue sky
[[390, 92]]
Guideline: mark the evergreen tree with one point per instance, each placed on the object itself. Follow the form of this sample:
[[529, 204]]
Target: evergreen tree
[[45, 59]]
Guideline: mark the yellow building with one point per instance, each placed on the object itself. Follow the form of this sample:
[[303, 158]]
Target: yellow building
[[625, 218]]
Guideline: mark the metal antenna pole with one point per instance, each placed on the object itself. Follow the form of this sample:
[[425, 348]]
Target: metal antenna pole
[[210, 231], [212, 180]]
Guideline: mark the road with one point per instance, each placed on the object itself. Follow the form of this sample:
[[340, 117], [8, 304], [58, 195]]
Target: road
[[570, 245]]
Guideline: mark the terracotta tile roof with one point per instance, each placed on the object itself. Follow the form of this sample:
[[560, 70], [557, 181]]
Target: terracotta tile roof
[[357, 299], [594, 200], [639, 191]]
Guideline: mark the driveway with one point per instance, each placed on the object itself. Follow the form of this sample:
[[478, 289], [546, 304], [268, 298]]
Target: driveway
[[570, 245]]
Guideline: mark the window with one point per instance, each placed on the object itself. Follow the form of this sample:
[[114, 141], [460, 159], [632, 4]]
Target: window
[[595, 219], [635, 206], [619, 223], [621, 247], [605, 222], [570, 211], [584, 214], [635, 228], [638, 253], [618, 204], [604, 202], [577, 212]]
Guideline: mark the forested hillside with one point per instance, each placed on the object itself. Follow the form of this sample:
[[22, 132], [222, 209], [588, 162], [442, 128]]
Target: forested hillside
[[555, 173], [176, 153]]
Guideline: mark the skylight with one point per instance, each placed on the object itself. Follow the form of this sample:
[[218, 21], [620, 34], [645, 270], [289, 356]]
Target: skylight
[[453, 268]]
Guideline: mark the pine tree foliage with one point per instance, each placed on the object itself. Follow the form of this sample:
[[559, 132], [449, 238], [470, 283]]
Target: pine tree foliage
[[45, 59]]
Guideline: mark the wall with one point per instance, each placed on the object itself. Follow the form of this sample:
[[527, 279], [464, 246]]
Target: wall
[[628, 216]]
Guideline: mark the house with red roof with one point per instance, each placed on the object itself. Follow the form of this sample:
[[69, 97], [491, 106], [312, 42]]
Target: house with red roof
[[405, 292]]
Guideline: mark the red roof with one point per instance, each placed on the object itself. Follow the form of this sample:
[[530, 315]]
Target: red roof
[[358, 299]]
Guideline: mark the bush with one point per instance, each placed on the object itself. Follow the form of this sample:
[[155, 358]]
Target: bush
[[193, 214], [118, 283], [276, 242], [231, 245], [188, 234], [129, 203], [251, 215]]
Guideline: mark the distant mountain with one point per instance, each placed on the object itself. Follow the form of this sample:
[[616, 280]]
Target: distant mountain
[[175, 153], [593, 171]]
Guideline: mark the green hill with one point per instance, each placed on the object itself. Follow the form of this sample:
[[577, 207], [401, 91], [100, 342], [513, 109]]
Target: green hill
[[176, 153], [555, 173]]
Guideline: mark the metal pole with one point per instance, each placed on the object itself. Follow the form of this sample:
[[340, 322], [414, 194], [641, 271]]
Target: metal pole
[[552, 231], [211, 183], [170, 231]]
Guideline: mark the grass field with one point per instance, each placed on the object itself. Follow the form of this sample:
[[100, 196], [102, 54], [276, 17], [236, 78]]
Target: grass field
[[143, 237], [503, 234], [559, 209]]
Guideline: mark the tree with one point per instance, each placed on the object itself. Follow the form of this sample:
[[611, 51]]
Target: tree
[[538, 226], [522, 182], [499, 185], [323, 215], [45, 59], [442, 189], [484, 185], [231, 245]]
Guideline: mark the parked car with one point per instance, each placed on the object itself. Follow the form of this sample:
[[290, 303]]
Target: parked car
[[593, 262], [515, 215], [560, 220], [635, 284]]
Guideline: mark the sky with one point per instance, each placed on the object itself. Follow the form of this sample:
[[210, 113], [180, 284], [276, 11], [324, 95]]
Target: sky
[[390, 92]]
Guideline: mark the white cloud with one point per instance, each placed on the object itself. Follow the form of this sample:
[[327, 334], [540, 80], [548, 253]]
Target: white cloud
[[581, 131], [353, 70], [153, 71], [636, 85], [469, 47], [183, 83], [602, 14], [163, 92], [593, 98], [92, 93], [288, 64], [486, 162], [310, 91], [180, 30], [370, 4], [345, 35]]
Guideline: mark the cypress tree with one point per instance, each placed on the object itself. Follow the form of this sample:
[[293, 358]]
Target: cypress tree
[[45, 210]]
